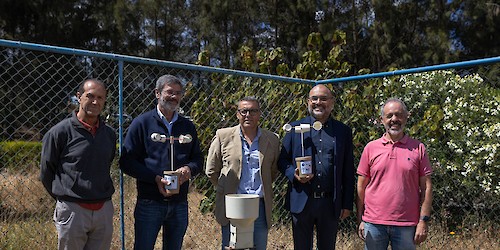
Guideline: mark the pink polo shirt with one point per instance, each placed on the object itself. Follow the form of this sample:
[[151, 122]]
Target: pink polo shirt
[[392, 197]]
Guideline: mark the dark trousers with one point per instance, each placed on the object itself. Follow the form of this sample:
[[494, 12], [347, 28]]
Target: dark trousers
[[319, 212]]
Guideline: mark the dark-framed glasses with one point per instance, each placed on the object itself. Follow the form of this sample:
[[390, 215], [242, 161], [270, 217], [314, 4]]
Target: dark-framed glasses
[[250, 112]]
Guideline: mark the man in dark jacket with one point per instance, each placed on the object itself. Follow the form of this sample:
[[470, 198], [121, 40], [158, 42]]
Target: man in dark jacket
[[326, 195], [147, 154], [76, 159]]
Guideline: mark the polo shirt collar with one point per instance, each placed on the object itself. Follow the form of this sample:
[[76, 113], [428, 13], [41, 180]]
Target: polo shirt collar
[[402, 140]]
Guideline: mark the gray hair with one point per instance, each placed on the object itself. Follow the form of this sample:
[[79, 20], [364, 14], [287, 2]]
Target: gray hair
[[168, 80], [250, 99], [393, 99]]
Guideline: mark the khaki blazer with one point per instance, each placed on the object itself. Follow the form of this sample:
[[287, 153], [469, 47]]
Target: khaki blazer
[[223, 167]]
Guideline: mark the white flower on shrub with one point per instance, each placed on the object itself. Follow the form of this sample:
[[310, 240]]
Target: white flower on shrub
[[470, 120]]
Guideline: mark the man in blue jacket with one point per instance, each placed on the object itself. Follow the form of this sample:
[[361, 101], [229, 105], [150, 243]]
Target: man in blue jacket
[[322, 198], [145, 158]]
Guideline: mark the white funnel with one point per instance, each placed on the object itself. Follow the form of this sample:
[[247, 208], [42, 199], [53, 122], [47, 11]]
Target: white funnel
[[242, 210]]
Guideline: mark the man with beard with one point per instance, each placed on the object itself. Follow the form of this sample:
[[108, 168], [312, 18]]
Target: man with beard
[[243, 160], [145, 158], [394, 186], [326, 196]]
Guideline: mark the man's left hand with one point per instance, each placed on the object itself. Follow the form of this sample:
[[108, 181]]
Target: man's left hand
[[185, 172], [421, 232]]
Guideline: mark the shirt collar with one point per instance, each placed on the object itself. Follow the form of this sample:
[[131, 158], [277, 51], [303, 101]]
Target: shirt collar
[[386, 141], [90, 128], [256, 137], [160, 114]]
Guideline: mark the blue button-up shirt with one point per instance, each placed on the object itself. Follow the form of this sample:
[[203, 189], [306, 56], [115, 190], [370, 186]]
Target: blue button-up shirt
[[324, 151], [250, 179], [167, 123]]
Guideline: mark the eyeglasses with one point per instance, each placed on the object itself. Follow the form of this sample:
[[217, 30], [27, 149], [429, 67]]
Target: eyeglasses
[[172, 93], [320, 98], [250, 112]]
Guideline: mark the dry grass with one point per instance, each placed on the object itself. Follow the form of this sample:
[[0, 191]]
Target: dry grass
[[26, 223]]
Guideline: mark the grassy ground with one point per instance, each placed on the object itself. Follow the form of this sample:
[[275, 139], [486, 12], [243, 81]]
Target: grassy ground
[[26, 223]]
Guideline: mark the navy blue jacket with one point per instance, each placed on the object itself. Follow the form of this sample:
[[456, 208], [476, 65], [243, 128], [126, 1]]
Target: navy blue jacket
[[144, 159], [343, 164]]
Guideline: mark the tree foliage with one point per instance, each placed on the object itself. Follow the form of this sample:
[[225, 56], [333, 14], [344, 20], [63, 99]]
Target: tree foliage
[[379, 34]]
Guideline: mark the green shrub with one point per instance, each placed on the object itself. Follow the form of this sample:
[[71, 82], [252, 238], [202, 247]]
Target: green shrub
[[457, 118], [20, 155]]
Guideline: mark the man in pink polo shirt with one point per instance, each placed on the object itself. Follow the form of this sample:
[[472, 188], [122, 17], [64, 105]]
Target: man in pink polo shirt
[[394, 185]]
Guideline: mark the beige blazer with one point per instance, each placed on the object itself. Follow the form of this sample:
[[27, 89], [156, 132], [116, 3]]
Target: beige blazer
[[223, 167]]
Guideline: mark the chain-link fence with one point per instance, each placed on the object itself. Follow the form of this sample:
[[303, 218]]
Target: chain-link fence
[[455, 113]]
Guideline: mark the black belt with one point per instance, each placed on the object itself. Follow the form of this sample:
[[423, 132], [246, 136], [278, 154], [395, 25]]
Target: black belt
[[319, 195]]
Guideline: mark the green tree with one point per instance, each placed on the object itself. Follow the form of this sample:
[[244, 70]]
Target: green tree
[[167, 26], [405, 34], [223, 26], [380, 34], [475, 26]]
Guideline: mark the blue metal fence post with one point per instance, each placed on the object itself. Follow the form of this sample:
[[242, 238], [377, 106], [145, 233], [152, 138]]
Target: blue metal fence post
[[120, 141]]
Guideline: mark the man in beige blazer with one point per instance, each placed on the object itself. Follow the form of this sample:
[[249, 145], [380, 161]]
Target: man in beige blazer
[[243, 160]]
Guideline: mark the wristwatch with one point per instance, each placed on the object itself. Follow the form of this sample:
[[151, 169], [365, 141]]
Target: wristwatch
[[425, 218]]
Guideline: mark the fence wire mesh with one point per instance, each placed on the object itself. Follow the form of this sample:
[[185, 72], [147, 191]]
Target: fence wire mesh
[[455, 113]]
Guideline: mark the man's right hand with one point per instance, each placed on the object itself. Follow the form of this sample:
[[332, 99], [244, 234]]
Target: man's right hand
[[303, 179], [160, 182]]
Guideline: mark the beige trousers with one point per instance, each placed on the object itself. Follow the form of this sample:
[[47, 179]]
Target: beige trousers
[[81, 228]]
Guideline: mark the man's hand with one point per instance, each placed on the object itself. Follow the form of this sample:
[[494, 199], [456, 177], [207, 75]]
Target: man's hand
[[421, 232], [185, 172], [304, 179], [344, 213], [361, 230], [160, 182]]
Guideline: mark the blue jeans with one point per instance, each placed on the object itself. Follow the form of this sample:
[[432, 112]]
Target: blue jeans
[[378, 237], [150, 215], [259, 230]]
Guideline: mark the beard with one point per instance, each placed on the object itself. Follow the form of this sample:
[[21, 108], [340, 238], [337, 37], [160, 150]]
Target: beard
[[394, 131], [169, 105]]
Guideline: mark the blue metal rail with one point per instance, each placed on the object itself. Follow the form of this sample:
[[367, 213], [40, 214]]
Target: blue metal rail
[[149, 61], [455, 65]]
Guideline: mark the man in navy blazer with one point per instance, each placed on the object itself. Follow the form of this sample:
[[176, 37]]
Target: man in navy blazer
[[324, 197]]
